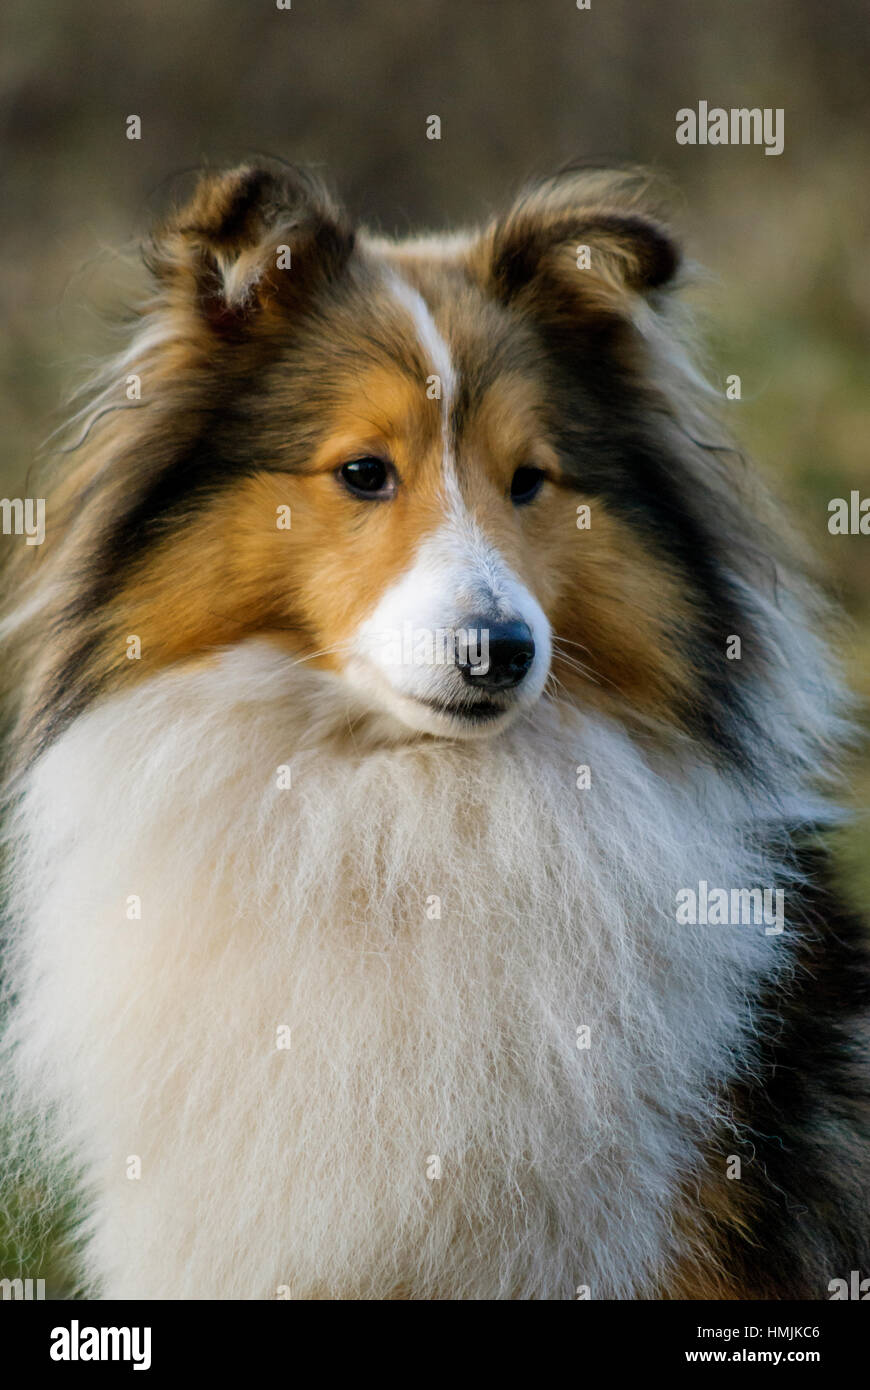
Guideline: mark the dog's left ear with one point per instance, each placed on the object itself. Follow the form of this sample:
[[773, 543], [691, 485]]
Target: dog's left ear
[[578, 242], [253, 239]]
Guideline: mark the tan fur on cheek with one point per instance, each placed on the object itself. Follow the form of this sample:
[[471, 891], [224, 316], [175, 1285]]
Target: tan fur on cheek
[[614, 607], [290, 555], [614, 604], [345, 554]]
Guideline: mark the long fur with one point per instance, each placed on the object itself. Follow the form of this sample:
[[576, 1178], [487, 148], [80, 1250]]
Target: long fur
[[410, 1037], [428, 922]]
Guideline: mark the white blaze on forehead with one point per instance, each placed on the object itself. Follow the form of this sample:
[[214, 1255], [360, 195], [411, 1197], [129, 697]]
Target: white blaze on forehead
[[430, 338], [438, 355]]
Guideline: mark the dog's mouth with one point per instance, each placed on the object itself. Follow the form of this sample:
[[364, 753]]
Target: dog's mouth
[[472, 712]]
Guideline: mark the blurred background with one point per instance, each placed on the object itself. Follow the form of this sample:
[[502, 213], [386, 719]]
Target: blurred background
[[520, 89]]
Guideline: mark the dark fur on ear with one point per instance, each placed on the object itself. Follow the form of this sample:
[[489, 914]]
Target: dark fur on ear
[[533, 250], [223, 247]]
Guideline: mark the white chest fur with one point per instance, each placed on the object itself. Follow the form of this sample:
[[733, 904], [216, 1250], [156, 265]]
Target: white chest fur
[[427, 927]]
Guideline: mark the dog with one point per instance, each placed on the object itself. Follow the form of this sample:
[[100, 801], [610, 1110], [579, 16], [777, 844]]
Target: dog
[[419, 710]]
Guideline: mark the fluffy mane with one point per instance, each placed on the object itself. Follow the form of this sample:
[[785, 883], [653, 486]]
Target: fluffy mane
[[220, 849]]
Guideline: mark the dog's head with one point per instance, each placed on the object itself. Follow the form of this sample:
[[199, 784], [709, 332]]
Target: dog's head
[[456, 472]]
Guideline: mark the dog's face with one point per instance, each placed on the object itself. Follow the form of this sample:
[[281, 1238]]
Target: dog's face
[[438, 543], [417, 561], [432, 469]]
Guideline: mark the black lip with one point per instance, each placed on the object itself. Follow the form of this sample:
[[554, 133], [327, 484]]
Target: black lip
[[478, 713]]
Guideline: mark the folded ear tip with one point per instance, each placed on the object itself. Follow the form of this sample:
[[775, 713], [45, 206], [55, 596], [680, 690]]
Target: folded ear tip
[[222, 204], [227, 247], [655, 255], [600, 207], [230, 207]]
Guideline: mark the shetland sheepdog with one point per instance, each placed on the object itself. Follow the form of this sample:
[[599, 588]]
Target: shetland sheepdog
[[418, 712]]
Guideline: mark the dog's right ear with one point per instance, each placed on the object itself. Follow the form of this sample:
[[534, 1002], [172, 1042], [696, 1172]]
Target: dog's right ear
[[253, 241]]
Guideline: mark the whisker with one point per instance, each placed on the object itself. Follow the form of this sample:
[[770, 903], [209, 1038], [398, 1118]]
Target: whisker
[[340, 647], [570, 661], [578, 666], [566, 641]]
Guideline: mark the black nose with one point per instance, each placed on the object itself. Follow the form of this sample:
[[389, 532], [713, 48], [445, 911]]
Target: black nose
[[498, 655]]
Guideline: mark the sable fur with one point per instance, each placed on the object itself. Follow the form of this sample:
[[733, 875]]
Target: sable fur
[[416, 1036]]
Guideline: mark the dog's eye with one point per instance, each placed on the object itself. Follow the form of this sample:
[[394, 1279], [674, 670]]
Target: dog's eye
[[525, 485], [368, 477]]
